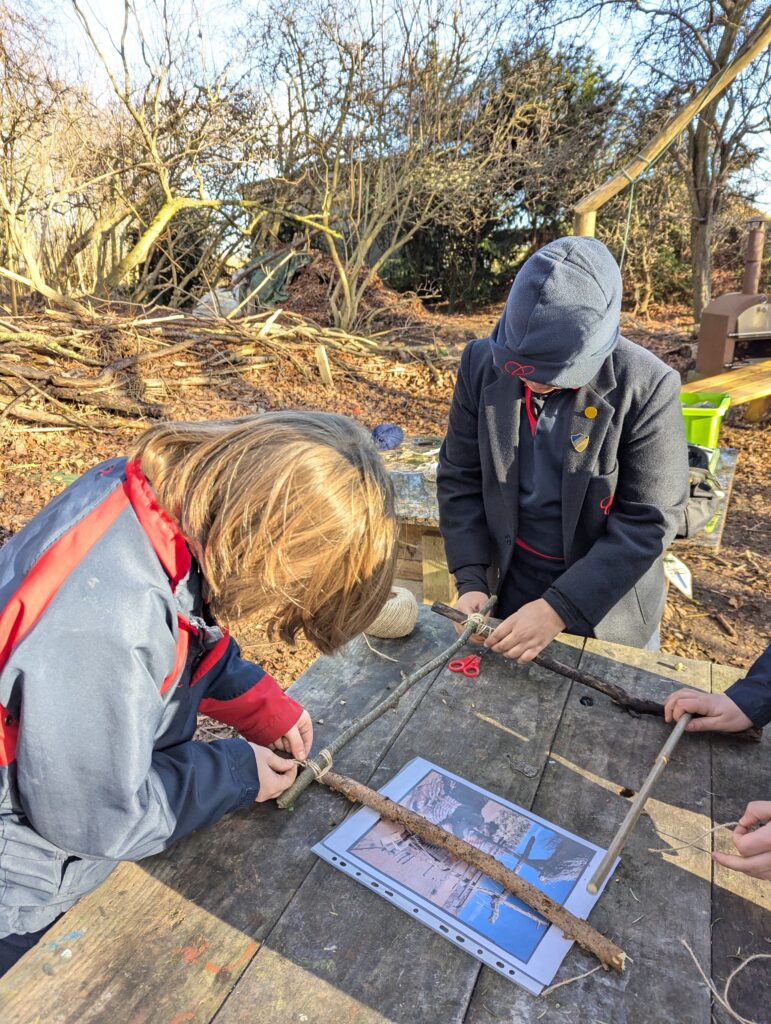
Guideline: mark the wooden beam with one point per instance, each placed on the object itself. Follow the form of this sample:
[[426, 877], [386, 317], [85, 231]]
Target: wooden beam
[[756, 43], [437, 583]]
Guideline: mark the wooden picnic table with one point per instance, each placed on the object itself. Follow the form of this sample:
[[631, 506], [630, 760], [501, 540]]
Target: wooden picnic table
[[242, 923], [749, 384]]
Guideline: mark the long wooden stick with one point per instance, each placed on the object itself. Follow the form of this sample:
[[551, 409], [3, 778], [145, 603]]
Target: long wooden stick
[[616, 693], [757, 41], [324, 758], [634, 812], [580, 931]]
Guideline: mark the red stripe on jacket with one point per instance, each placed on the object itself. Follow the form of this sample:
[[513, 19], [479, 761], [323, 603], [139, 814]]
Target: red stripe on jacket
[[41, 583], [162, 532], [262, 714], [210, 659], [184, 629]]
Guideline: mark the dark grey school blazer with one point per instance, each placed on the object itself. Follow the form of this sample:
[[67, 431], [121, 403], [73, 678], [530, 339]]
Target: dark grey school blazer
[[622, 497]]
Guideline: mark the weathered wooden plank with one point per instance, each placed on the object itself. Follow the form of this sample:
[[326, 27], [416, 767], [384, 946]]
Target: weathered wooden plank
[[167, 939], [599, 753], [741, 906], [437, 584], [745, 384], [339, 952]]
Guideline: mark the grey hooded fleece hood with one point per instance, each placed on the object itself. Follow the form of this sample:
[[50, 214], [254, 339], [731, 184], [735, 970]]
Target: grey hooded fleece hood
[[561, 319]]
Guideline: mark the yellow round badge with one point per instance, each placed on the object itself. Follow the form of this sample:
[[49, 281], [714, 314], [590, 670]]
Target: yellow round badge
[[590, 412]]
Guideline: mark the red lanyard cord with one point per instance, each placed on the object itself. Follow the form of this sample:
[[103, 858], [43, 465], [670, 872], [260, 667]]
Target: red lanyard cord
[[529, 409]]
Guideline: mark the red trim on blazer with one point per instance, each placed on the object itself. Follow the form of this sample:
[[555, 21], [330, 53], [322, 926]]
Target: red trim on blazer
[[531, 417], [526, 547]]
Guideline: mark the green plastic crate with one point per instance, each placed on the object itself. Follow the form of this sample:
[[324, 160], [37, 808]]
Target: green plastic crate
[[702, 426]]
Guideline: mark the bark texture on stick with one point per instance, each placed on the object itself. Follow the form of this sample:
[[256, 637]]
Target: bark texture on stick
[[579, 931]]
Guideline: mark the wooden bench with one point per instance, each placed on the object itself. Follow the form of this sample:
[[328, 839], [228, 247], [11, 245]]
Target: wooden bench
[[242, 923], [748, 385]]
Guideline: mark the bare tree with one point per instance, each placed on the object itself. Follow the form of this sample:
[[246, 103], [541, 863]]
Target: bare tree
[[679, 45], [180, 112], [376, 110]]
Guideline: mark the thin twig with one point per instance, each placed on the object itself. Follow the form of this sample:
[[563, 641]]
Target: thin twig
[[380, 654], [569, 981]]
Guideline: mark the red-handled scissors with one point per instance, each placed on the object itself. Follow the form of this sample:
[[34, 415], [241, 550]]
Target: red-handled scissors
[[468, 666]]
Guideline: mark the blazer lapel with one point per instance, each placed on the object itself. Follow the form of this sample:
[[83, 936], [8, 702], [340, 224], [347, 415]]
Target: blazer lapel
[[585, 437], [502, 401]]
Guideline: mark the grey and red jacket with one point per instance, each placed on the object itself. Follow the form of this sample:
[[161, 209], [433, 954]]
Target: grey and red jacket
[[106, 656]]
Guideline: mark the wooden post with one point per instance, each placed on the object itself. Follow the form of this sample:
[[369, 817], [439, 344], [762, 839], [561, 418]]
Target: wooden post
[[585, 211], [585, 223], [437, 585], [323, 363]]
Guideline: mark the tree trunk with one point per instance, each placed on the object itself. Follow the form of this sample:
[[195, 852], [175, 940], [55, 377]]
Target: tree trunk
[[147, 240], [701, 260]]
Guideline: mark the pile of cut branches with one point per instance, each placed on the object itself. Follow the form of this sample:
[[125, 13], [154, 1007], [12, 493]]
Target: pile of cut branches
[[71, 369]]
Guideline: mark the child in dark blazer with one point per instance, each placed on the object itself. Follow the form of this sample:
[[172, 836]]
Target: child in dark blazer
[[564, 473]]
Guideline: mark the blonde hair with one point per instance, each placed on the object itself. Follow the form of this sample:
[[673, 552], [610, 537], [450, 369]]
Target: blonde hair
[[290, 514]]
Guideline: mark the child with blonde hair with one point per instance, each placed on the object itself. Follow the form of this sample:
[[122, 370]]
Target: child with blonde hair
[[112, 605]]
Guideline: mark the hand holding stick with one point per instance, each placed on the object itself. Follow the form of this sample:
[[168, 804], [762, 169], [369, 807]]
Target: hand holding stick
[[616, 693]]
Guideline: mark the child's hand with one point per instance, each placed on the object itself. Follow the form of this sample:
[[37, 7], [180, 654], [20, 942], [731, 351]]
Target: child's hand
[[275, 773], [754, 847], [524, 634], [717, 712], [299, 740], [470, 603]]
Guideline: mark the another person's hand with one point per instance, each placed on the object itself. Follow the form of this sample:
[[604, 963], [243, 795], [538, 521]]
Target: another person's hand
[[299, 740], [754, 847], [717, 713], [524, 634], [470, 603], [275, 773]]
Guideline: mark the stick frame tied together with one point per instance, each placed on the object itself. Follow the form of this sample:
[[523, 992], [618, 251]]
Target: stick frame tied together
[[314, 768]]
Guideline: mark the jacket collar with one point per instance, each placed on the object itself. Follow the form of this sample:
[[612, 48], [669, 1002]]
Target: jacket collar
[[162, 532]]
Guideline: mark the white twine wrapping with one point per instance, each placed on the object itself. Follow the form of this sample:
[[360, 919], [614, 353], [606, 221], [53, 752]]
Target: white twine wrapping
[[398, 616]]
